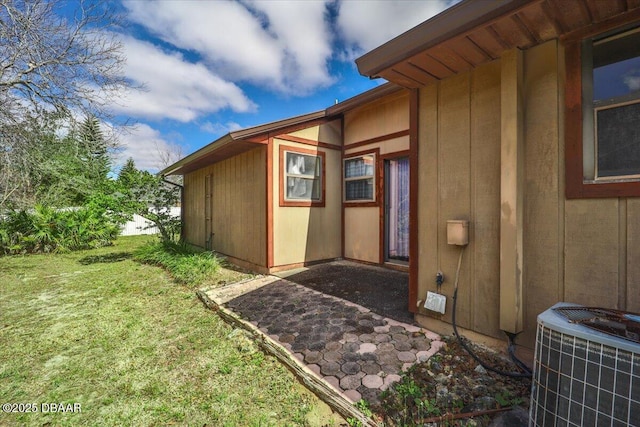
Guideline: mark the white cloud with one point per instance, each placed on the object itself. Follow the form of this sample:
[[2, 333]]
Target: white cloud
[[284, 45], [219, 128], [148, 148], [632, 80], [365, 25], [174, 87]]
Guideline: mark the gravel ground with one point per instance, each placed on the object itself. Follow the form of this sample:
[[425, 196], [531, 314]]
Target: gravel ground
[[452, 384]]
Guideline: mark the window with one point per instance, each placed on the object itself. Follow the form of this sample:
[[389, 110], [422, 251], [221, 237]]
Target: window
[[302, 177], [602, 115], [359, 178], [611, 106]]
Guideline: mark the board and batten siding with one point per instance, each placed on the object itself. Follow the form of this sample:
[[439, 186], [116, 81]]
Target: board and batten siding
[[459, 178], [579, 250], [386, 116], [238, 211]]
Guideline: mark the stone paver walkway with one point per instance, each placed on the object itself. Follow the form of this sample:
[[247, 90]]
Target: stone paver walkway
[[358, 352]]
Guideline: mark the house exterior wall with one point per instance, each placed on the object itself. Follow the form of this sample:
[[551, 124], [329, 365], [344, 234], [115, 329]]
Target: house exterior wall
[[238, 210], [459, 178], [303, 234], [381, 127], [574, 250]]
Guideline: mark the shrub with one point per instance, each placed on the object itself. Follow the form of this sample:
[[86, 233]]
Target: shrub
[[186, 264], [45, 229]]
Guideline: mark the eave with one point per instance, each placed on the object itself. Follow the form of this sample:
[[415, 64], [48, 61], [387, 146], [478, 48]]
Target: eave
[[475, 32], [238, 142]]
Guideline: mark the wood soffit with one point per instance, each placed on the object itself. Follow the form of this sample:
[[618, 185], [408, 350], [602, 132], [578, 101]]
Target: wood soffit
[[475, 32]]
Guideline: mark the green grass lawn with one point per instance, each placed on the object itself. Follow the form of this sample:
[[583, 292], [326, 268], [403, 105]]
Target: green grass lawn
[[132, 347]]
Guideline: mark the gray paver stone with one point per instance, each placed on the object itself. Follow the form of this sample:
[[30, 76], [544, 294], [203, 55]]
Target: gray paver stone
[[386, 346], [351, 357], [351, 346], [380, 338], [366, 338], [330, 368], [335, 383], [382, 329], [367, 347], [333, 346], [332, 356], [371, 368], [353, 395], [314, 368], [313, 357], [350, 338], [369, 357], [350, 368], [350, 382], [406, 356], [317, 345], [400, 337], [287, 338], [388, 358], [372, 381], [402, 345]]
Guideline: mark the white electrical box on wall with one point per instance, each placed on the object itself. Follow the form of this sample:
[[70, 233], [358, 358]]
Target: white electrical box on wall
[[458, 232]]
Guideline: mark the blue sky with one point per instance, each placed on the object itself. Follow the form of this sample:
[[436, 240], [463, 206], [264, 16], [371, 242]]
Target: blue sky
[[210, 67]]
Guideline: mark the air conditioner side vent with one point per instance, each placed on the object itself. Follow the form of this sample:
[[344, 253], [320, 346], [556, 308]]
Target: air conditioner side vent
[[583, 377]]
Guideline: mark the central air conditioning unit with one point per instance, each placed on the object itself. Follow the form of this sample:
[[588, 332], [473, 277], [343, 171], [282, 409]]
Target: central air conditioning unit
[[584, 376]]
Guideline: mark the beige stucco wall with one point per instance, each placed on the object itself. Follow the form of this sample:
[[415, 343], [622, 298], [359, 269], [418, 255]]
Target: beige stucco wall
[[579, 251], [362, 233], [238, 195], [306, 234], [382, 117], [329, 133]]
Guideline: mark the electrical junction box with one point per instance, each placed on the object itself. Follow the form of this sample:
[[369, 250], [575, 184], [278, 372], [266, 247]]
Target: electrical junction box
[[458, 232]]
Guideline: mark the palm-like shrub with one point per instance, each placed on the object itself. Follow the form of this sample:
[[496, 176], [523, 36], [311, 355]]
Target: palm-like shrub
[[45, 229]]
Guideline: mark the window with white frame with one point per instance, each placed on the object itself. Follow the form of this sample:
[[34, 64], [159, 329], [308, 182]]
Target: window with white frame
[[611, 107], [303, 177], [359, 178]]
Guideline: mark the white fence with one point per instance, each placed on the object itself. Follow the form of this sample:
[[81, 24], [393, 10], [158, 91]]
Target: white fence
[[140, 225]]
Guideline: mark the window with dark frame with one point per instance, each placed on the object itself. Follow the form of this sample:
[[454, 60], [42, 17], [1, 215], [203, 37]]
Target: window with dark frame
[[611, 107], [359, 178], [303, 177]]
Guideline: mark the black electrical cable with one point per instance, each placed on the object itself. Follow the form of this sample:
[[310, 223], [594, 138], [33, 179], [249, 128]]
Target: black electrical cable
[[526, 374]]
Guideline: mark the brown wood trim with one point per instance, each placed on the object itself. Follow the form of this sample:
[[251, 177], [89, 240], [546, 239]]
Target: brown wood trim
[[306, 141], [573, 120], [342, 233], [377, 191], [414, 121], [576, 187], [377, 139], [287, 203], [269, 195]]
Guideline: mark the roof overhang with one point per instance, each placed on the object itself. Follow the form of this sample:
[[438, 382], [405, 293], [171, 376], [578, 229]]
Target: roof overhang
[[474, 32], [238, 142]]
